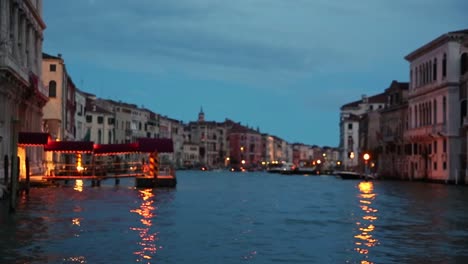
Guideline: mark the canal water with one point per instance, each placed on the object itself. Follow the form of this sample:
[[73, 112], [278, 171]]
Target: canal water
[[230, 217]]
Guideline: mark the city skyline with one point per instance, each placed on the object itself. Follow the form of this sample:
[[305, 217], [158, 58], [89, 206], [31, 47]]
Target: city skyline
[[287, 76]]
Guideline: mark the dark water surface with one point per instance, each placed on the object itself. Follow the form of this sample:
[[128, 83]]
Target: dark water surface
[[224, 217]]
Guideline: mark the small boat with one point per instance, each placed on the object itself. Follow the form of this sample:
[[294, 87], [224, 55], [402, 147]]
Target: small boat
[[349, 175], [165, 177], [284, 168]]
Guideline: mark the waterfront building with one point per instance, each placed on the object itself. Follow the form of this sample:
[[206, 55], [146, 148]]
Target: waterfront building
[[99, 121], [173, 129], [464, 89], [59, 112], [123, 120], [211, 137], [436, 109], [302, 154], [268, 148], [22, 94], [392, 160], [191, 155], [245, 146], [350, 118], [80, 115]]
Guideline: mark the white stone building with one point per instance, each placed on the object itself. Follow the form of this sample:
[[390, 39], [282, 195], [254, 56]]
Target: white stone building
[[80, 115], [350, 118], [22, 94], [99, 122], [437, 108]]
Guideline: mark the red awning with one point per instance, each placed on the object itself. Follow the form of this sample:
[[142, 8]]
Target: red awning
[[70, 146], [33, 138], [115, 149], [160, 145]]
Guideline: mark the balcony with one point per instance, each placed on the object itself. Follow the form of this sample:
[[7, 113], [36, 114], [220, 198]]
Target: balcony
[[439, 129], [419, 133]]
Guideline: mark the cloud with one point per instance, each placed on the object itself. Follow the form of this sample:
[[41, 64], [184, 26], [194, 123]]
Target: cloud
[[262, 41]]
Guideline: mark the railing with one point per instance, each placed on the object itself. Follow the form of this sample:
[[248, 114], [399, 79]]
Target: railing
[[439, 129]]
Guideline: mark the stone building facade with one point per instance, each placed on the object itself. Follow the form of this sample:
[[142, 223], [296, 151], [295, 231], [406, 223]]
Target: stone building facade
[[22, 94]]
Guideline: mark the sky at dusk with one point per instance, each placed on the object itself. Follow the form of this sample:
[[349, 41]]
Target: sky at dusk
[[285, 66]]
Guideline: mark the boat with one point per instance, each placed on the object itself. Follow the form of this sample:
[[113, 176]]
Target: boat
[[284, 168], [166, 177], [352, 175]]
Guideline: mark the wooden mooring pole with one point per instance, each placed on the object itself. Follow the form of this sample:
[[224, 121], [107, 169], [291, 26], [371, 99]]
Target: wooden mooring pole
[[6, 167]]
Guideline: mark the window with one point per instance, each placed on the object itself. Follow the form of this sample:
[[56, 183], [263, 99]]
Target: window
[[100, 119], [444, 109], [434, 70], [110, 121], [99, 136], [435, 147], [80, 111], [89, 119], [435, 165], [435, 111], [52, 89], [371, 107], [444, 165], [444, 146], [464, 63], [53, 67], [444, 66], [350, 126]]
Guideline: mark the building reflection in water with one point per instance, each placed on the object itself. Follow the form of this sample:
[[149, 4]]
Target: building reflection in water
[[147, 213], [365, 239]]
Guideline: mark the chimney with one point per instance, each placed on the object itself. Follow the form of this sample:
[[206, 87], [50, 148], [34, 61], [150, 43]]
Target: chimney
[[59, 55]]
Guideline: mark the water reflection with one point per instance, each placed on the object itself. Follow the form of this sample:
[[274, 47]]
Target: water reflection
[[365, 240], [78, 185], [147, 213]]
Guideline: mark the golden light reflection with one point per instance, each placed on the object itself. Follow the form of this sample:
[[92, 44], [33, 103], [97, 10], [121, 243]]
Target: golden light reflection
[[76, 221], [78, 185], [148, 240], [365, 239]]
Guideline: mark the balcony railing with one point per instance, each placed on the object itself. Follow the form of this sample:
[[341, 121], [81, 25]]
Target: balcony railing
[[439, 129]]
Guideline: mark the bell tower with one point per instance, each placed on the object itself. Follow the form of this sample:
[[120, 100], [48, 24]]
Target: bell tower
[[201, 115]]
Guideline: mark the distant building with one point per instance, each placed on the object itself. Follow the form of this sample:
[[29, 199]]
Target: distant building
[[350, 120], [437, 108], [99, 121], [59, 112], [80, 115], [22, 94], [245, 146], [393, 124]]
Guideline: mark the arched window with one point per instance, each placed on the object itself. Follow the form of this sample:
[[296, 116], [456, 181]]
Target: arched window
[[415, 116], [52, 89], [430, 113], [435, 111], [429, 68], [99, 136], [444, 66], [462, 111], [434, 70], [109, 140], [464, 63], [444, 109]]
